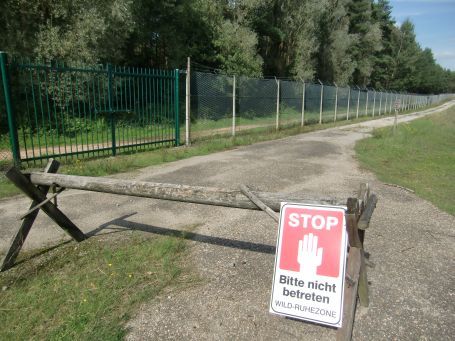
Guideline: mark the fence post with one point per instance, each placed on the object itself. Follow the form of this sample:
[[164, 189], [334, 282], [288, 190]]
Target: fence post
[[277, 104], [394, 101], [320, 105], [385, 104], [358, 102], [111, 113], [380, 104], [12, 125], [188, 102], [336, 102], [349, 100], [390, 99], [176, 107], [387, 99], [233, 106], [366, 104], [374, 101], [303, 103], [395, 121]]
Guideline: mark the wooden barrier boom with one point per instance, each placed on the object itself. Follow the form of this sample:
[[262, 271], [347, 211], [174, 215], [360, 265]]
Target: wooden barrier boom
[[358, 214], [193, 194]]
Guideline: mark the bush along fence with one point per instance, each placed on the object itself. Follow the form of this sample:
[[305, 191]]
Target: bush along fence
[[223, 104], [76, 111]]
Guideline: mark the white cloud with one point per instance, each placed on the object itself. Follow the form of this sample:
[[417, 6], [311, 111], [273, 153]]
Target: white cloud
[[408, 14], [445, 55]]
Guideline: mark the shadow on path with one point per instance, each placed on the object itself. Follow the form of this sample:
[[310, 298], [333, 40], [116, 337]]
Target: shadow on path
[[131, 225]]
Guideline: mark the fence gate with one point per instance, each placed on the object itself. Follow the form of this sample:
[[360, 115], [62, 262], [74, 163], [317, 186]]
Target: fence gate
[[57, 111]]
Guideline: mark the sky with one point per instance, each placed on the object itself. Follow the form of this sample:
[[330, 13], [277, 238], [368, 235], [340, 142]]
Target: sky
[[434, 22]]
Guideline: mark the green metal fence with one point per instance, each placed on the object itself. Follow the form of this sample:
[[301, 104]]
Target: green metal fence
[[65, 111]]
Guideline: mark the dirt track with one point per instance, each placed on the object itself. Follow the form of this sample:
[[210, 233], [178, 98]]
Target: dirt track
[[232, 251]]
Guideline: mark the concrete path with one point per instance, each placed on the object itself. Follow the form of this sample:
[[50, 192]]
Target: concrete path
[[232, 250]]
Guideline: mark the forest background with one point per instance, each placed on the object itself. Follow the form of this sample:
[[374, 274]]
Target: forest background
[[342, 41]]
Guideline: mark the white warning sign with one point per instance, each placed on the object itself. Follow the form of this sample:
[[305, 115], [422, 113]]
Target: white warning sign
[[310, 263]]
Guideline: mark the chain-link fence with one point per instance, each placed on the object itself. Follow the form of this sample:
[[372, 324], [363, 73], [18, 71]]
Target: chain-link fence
[[212, 106], [256, 100], [291, 102], [224, 105]]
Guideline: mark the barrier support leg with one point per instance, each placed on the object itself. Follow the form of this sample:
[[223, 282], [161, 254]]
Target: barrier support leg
[[38, 195], [18, 239]]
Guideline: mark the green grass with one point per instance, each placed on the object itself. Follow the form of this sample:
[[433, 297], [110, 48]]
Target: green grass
[[7, 188], [420, 156], [88, 291]]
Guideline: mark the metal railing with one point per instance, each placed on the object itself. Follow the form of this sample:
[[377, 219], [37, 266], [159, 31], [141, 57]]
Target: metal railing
[[59, 111]]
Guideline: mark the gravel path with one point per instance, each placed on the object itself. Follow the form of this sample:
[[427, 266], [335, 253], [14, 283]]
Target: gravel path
[[232, 250]]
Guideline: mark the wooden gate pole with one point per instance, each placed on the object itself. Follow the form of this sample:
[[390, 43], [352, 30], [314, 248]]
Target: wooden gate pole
[[24, 184], [352, 218], [350, 295], [18, 239], [355, 268]]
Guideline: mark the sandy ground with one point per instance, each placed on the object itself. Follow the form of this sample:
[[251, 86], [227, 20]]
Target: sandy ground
[[411, 242]]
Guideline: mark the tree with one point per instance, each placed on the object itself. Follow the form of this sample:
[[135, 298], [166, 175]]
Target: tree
[[286, 32], [342, 41], [368, 39], [237, 50], [383, 59], [335, 42], [405, 52]]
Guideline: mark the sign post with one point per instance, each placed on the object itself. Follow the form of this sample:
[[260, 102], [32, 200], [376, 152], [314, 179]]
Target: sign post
[[310, 262]]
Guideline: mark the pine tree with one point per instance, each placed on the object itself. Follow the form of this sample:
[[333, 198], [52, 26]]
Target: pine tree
[[383, 59], [335, 42], [368, 34]]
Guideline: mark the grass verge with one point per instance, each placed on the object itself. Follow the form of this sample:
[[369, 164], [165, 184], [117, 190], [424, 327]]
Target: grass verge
[[420, 156], [87, 291]]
